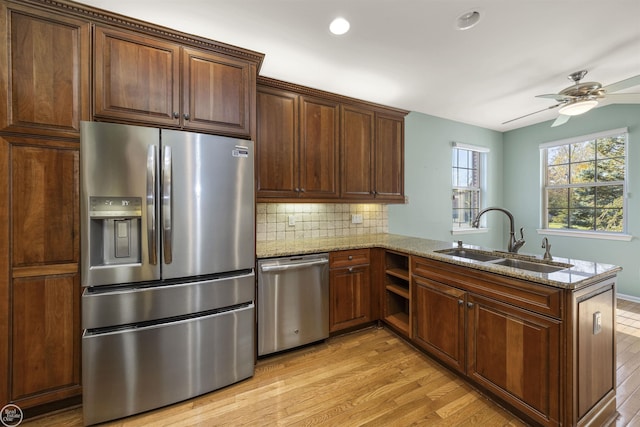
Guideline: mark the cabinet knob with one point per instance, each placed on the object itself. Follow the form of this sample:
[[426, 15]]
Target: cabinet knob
[[469, 304], [302, 190], [460, 302], [297, 190], [350, 269], [187, 117], [176, 115], [350, 257]]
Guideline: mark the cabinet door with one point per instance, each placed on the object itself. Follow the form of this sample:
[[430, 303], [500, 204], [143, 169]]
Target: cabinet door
[[350, 297], [319, 124], [516, 355], [216, 93], [357, 153], [389, 158], [440, 321], [44, 205], [45, 333], [44, 284], [47, 72], [277, 144], [136, 78]]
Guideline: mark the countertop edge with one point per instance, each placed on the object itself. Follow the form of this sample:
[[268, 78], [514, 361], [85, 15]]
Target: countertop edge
[[571, 279]]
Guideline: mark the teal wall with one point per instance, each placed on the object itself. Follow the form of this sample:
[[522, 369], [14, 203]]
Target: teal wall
[[522, 189], [513, 183], [428, 180]]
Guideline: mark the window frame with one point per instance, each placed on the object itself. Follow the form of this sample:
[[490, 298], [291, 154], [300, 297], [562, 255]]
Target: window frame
[[480, 189], [591, 233]]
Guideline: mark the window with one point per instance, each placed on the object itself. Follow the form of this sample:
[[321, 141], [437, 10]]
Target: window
[[467, 184], [585, 182]]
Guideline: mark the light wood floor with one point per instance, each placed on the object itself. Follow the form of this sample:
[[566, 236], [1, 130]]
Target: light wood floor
[[368, 378]]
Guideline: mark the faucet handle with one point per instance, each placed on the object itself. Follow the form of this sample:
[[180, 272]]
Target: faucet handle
[[522, 233], [547, 249]]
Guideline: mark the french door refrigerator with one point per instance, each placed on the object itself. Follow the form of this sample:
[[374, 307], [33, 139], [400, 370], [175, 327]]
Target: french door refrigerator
[[168, 254]]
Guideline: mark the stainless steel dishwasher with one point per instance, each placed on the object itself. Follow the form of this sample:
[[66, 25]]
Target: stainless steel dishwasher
[[293, 302]]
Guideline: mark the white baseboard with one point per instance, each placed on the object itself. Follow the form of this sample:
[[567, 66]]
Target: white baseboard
[[628, 298]]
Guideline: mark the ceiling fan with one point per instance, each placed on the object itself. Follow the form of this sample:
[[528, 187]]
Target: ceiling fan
[[581, 97]]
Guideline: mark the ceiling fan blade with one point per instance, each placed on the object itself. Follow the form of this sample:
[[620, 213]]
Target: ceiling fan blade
[[622, 84], [562, 119], [531, 114], [623, 98], [556, 96]]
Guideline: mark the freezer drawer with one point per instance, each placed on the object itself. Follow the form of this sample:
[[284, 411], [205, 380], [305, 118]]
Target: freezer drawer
[[124, 305], [129, 371], [293, 302]]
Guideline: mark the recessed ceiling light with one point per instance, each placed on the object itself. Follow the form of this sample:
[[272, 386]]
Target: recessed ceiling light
[[339, 26], [468, 20]]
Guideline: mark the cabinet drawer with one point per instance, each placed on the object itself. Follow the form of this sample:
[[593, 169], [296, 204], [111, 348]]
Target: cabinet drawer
[[531, 296], [348, 258]]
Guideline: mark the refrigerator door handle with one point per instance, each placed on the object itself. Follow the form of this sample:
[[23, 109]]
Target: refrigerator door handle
[[166, 206], [151, 204]]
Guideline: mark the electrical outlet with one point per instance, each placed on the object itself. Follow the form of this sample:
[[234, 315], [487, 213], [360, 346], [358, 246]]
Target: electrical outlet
[[597, 322], [356, 219], [292, 220]]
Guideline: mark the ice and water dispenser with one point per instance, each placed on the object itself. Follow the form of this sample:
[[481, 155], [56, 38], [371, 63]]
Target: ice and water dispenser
[[115, 230]]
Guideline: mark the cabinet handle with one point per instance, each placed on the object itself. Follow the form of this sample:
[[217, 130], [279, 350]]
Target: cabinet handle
[[469, 304], [350, 257], [460, 302], [297, 190], [302, 190], [187, 117], [350, 269], [176, 115]]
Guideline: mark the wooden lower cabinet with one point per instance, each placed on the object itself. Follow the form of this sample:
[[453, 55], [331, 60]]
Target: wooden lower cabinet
[[45, 334], [536, 348], [440, 321], [349, 289], [41, 282], [515, 354]]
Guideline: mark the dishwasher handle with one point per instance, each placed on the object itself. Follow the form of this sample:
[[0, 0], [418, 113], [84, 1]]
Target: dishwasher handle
[[294, 266]]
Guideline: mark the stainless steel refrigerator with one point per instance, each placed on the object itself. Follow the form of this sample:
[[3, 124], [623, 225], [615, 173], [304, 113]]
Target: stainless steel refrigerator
[[168, 255]]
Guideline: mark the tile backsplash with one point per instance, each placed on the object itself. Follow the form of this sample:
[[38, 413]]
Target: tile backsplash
[[318, 220]]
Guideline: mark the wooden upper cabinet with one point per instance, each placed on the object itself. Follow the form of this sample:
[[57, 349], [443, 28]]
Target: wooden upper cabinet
[[357, 152], [277, 143], [144, 80], [44, 72], [137, 78], [216, 95], [389, 158], [319, 136]]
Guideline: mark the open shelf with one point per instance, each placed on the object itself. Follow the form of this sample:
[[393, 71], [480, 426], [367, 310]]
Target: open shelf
[[397, 291], [400, 273]]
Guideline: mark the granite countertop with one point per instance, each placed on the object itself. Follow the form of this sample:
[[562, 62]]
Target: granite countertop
[[580, 274]]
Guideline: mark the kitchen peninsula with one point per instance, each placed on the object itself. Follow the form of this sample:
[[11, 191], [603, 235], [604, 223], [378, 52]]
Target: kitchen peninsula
[[542, 343]]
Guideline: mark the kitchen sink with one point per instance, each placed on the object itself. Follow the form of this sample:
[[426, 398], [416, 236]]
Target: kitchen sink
[[469, 254], [530, 266]]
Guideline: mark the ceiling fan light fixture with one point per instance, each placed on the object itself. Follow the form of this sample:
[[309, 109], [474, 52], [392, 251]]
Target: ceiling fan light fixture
[[339, 26], [578, 107]]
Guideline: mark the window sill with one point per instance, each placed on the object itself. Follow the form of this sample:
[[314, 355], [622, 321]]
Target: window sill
[[457, 231], [586, 234]]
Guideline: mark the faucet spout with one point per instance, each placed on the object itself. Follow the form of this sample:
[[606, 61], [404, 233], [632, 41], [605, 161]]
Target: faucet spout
[[513, 245]]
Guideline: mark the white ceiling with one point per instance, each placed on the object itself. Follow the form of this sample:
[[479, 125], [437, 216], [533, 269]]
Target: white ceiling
[[408, 53]]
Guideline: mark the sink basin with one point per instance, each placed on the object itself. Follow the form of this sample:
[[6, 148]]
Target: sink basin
[[469, 254], [530, 266]]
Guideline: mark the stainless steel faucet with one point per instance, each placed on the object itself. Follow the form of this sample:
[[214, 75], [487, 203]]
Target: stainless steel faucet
[[547, 249], [514, 245]]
